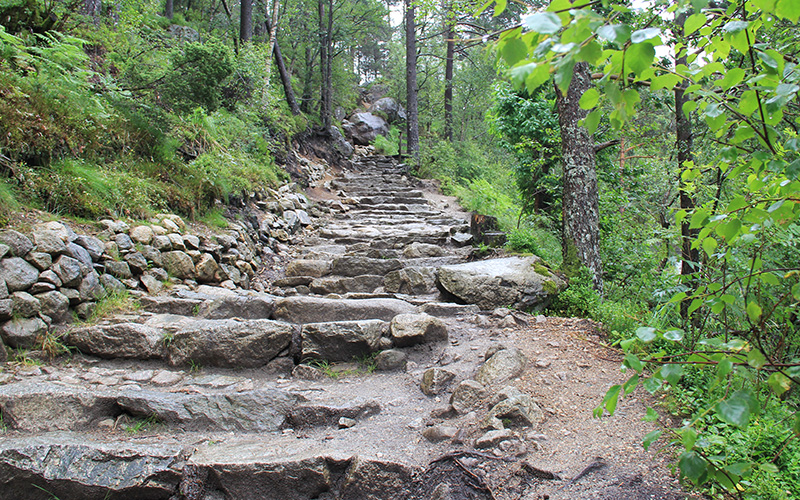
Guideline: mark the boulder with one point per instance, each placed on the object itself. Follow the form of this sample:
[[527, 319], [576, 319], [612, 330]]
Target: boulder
[[262, 410], [79, 253], [179, 264], [230, 343], [503, 365], [49, 242], [22, 333], [93, 245], [356, 265], [469, 395], [411, 329], [17, 274], [435, 381], [142, 234], [257, 306], [124, 242], [318, 310], [25, 305], [137, 262], [42, 407], [70, 271], [207, 270], [55, 305], [390, 108], [510, 281], [118, 269], [411, 281], [121, 340], [363, 128], [19, 244], [151, 284], [40, 260], [111, 284], [340, 341], [305, 267], [358, 284]]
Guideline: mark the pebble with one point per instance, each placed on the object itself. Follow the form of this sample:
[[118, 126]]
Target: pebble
[[166, 377], [139, 376]]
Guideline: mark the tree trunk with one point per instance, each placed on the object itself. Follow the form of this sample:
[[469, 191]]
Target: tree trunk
[[308, 88], [683, 145], [448, 80], [91, 7], [286, 77], [272, 29], [325, 27], [580, 210], [246, 21], [411, 84], [169, 9]]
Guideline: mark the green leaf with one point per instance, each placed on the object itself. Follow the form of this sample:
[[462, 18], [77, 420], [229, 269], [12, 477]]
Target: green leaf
[[779, 383], [735, 26], [672, 373], [651, 415], [753, 311], [756, 359], [709, 245], [499, 7], [514, 51], [694, 23], [651, 438], [668, 81], [652, 384], [724, 367], [537, 77], [674, 335], [788, 9], [646, 334], [736, 410], [611, 399], [769, 468], [547, 23], [591, 121], [630, 385], [633, 362], [732, 77], [693, 466], [618, 33], [796, 425], [639, 36], [589, 98], [688, 437], [639, 56], [591, 53]]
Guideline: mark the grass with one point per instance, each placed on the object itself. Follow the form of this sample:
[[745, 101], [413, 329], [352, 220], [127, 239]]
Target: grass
[[143, 424], [214, 218], [115, 302], [366, 365], [53, 346]]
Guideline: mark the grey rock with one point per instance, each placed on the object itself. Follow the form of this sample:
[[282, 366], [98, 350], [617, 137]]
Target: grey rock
[[3, 289], [142, 234], [72, 295], [79, 253], [158, 273], [390, 108], [363, 128], [412, 329], [19, 244], [292, 221], [442, 492], [41, 407], [340, 144], [152, 255], [493, 438], [304, 267], [357, 284], [411, 280], [124, 242], [116, 226], [95, 471], [317, 310], [118, 269], [90, 287], [171, 305], [179, 264], [461, 239], [436, 381], [176, 239], [502, 366], [5, 309], [416, 250], [374, 479], [162, 243], [3, 352], [166, 378], [207, 270], [25, 305], [49, 242], [346, 423], [151, 284], [499, 282], [390, 360], [40, 260], [69, 271], [17, 274], [227, 241], [307, 372], [121, 340], [137, 262], [4, 250], [314, 415], [22, 333], [191, 242], [356, 265], [341, 341], [50, 277], [439, 433], [469, 395], [111, 284], [304, 218], [93, 245], [515, 407], [56, 305], [258, 306], [449, 309], [230, 343], [262, 410]]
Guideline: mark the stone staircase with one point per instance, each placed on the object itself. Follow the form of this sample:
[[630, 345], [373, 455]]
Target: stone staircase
[[211, 393]]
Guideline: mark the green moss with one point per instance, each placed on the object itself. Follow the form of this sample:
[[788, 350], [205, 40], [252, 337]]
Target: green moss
[[539, 268], [550, 287]]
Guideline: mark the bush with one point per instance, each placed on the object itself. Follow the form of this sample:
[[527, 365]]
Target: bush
[[579, 300], [196, 76], [536, 241], [388, 145]]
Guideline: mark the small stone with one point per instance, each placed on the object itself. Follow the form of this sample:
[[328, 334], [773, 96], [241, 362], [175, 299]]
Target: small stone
[[543, 363], [151, 284], [142, 234], [307, 372], [469, 395], [50, 277], [346, 423], [139, 375], [85, 310], [436, 380], [166, 377], [438, 433], [124, 242], [390, 360], [492, 438], [40, 260]]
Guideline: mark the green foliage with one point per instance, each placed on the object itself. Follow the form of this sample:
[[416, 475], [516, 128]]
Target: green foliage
[[537, 241], [388, 145], [579, 300], [196, 75]]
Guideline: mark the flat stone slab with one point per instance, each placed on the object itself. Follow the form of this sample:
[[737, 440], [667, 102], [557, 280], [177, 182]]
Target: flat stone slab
[[318, 309]]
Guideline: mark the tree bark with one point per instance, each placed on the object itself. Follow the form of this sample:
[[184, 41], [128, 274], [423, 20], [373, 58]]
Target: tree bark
[[286, 77], [411, 84], [307, 97], [169, 9], [91, 7], [448, 80], [325, 26], [272, 29], [683, 145], [580, 206], [246, 21]]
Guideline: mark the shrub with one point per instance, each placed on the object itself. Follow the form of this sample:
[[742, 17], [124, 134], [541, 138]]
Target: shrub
[[388, 145], [196, 76]]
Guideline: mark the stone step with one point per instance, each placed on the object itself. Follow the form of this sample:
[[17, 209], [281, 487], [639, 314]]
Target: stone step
[[303, 310]]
